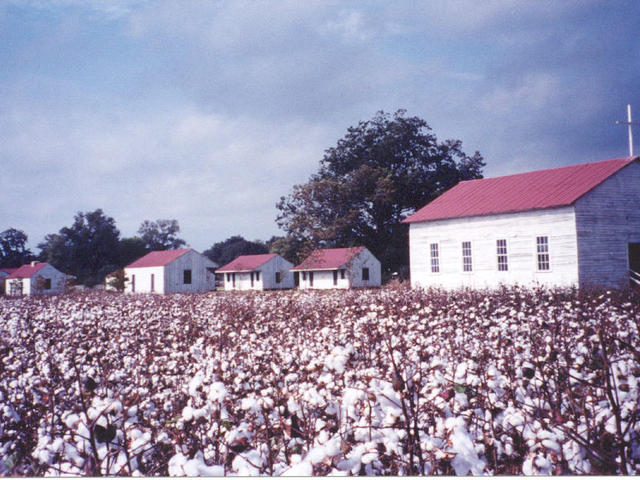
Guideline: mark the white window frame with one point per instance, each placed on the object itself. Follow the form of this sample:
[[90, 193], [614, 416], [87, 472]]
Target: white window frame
[[434, 260], [502, 255], [539, 253], [470, 257]]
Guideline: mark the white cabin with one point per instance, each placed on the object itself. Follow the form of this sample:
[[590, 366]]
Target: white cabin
[[170, 271], [4, 273], [339, 268], [569, 226], [267, 271], [35, 278]]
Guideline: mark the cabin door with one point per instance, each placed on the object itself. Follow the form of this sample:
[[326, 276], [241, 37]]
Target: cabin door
[[634, 264]]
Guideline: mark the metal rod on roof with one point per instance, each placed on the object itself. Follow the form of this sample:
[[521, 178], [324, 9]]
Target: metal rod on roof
[[629, 123]]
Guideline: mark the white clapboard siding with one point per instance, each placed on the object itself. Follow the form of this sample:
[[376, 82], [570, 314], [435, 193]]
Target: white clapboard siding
[[169, 278], [241, 280], [353, 274], [608, 219], [520, 231]]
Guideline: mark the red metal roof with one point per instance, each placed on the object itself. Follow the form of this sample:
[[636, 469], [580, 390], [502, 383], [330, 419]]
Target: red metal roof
[[246, 263], [8, 270], [554, 187], [328, 258], [27, 271], [158, 258]]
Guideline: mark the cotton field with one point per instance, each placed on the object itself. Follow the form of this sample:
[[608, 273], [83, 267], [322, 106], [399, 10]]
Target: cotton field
[[387, 382]]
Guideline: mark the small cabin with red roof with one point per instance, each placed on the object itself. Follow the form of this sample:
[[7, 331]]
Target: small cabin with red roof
[[35, 278], [339, 268], [170, 271], [4, 273], [267, 271], [570, 226]]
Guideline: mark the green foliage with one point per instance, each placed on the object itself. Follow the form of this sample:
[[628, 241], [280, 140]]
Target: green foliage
[[13, 250], [224, 252], [289, 248], [117, 280], [380, 172], [85, 249], [161, 234], [130, 249]]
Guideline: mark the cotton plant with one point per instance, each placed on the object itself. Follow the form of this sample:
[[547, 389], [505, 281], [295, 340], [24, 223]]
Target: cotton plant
[[387, 382]]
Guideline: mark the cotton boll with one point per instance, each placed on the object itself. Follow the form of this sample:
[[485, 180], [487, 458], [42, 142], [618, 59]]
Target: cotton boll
[[466, 459], [302, 469], [217, 392], [187, 414]]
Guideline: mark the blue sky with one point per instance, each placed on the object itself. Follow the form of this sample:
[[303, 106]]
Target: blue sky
[[209, 111]]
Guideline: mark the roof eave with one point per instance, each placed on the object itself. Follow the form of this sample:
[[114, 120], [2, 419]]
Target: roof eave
[[502, 212]]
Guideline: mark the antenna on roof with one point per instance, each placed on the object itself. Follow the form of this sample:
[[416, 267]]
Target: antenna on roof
[[629, 123]]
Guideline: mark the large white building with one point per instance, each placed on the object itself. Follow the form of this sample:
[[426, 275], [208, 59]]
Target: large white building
[[35, 278], [576, 225], [170, 271], [339, 268], [257, 272]]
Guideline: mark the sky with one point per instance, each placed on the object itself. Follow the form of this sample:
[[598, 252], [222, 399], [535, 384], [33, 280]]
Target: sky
[[209, 111]]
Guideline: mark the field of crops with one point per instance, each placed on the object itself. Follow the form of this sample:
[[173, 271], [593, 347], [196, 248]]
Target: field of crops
[[381, 382]]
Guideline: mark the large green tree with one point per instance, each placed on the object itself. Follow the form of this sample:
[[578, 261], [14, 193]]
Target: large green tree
[[88, 249], [161, 234], [223, 252], [381, 171], [131, 249], [13, 248]]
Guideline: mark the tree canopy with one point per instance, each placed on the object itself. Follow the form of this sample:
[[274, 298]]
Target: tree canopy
[[131, 249], [88, 249], [161, 234], [226, 251], [13, 250], [382, 170]]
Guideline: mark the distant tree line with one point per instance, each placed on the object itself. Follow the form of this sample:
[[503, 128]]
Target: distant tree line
[[381, 171], [91, 247]]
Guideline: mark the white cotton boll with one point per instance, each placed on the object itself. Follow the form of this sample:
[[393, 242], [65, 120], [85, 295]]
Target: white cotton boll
[[544, 465], [191, 469], [71, 421], [115, 407], [453, 422], [195, 383], [527, 467], [552, 445], [212, 471], [217, 392], [250, 404], [302, 469], [515, 419], [461, 400], [461, 372], [187, 414], [317, 455], [367, 458], [466, 459]]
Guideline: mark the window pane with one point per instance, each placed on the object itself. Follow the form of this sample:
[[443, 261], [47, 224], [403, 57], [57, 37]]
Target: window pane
[[187, 277], [542, 247], [503, 261], [435, 258], [365, 274], [467, 263]]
